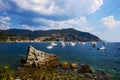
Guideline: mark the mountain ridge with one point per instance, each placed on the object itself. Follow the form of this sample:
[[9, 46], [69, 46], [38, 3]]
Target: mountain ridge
[[69, 34]]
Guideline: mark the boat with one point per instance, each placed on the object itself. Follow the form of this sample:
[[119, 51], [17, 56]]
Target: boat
[[83, 43], [50, 47], [53, 44], [62, 44], [101, 48], [72, 43], [94, 44]]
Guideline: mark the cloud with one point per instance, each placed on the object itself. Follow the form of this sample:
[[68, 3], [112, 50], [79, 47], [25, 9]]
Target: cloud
[[50, 24], [86, 29], [4, 5], [28, 27], [51, 14], [4, 22], [110, 22], [60, 7]]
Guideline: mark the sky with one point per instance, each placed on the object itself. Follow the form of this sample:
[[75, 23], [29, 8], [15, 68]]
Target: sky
[[99, 17]]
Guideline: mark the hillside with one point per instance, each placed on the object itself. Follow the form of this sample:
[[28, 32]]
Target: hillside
[[48, 35]]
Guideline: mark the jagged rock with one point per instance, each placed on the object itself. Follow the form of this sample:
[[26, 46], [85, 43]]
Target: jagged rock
[[74, 65], [85, 68], [39, 58], [64, 64]]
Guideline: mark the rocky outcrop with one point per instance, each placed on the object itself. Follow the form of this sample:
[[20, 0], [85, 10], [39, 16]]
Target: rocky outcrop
[[64, 64], [74, 65], [85, 68], [39, 58]]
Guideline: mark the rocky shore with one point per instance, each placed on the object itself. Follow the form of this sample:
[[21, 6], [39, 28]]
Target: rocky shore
[[39, 65]]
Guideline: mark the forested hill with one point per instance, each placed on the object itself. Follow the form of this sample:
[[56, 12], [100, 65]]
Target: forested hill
[[47, 35]]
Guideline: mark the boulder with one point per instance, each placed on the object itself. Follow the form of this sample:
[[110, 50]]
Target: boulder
[[39, 58], [85, 68], [64, 64], [74, 65]]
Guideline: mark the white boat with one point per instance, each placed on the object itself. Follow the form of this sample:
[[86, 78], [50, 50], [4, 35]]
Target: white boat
[[49, 47], [101, 48], [83, 43], [53, 44], [62, 44], [72, 43]]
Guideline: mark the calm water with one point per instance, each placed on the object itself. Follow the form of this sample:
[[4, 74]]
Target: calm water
[[108, 60]]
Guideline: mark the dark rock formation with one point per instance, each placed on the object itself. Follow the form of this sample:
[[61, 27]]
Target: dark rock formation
[[64, 64], [39, 58], [85, 68]]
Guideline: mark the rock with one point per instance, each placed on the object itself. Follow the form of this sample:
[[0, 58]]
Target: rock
[[39, 58], [74, 65], [23, 60], [101, 75], [85, 68], [64, 64], [17, 79]]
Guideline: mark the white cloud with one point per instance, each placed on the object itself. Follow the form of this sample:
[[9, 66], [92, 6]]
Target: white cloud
[[4, 22], [77, 23], [86, 29], [28, 27], [110, 22], [65, 7], [71, 23], [60, 24]]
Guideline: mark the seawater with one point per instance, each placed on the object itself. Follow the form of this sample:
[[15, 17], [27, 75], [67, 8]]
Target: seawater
[[107, 60]]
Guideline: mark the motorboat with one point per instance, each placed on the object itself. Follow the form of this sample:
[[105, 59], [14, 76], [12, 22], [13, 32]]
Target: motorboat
[[62, 44], [72, 43], [50, 47], [53, 44], [101, 48]]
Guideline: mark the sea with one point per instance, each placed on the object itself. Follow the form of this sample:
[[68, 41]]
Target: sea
[[107, 60]]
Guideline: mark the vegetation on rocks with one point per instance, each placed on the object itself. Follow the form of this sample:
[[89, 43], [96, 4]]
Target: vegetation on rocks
[[50, 73], [6, 73], [48, 35], [45, 66]]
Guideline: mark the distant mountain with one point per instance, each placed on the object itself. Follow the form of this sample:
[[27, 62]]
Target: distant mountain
[[50, 35]]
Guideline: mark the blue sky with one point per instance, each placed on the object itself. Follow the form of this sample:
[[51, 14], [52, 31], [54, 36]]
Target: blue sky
[[99, 17]]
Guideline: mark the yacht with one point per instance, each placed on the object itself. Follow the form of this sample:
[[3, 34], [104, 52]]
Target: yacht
[[83, 43], [62, 44], [101, 48], [50, 47], [53, 44], [72, 43]]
